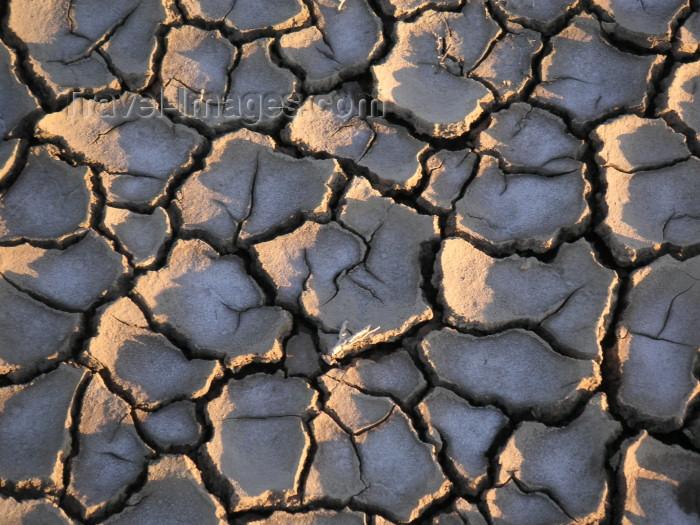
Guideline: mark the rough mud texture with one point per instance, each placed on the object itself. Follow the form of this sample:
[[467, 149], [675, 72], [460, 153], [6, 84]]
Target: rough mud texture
[[425, 77], [569, 299], [268, 192], [657, 341], [344, 38], [209, 302], [564, 465], [111, 454], [389, 152], [587, 77], [650, 27], [652, 193], [349, 262], [362, 270], [248, 18], [199, 76], [658, 481]]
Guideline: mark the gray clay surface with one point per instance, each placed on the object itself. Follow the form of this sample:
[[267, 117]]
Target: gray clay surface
[[349, 262]]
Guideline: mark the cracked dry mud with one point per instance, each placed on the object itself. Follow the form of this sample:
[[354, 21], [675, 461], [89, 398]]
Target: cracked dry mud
[[453, 279]]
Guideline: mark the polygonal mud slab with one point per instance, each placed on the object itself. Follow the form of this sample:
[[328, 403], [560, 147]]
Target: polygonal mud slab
[[111, 454], [334, 124], [144, 365], [287, 261], [651, 26], [652, 188], [272, 86], [423, 79], [260, 474], [383, 437], [174, 493], [137, 191], [448, 172], [248, 18], [261, 442], [522, 211], [542, 16], [247, 190], [34, 335], [678, 103], [531, 189], [35, 420], [70, 279], [248, 398], [564, 464], [358, 279], [658, 482], [514, 369], [588, 78], [49, 200], [463, 433], [630, 143], [507, 69], [53, 48], [334, 476], [172, 426], [140, 149], [301, 356], [206, 81], [344, 39], [197, 64], [658, 338], [394, 375], [32, 512], [80, 45], [652, 210], [398, 488], [134, 46], [213, 306], [140, 235], [657, 381], [532, 140], [18, 101], [570, 298], [357, 411]]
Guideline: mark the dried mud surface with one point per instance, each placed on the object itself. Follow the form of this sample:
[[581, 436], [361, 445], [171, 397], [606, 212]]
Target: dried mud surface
[[473, 297]]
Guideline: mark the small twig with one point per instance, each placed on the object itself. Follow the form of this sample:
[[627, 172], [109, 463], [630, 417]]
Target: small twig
[[346, 340]]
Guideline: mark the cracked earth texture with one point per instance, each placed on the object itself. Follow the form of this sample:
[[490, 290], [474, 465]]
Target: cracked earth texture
[[473, 298]]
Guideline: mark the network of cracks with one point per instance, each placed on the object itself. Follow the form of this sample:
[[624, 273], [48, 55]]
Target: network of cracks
[[451, 277]]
